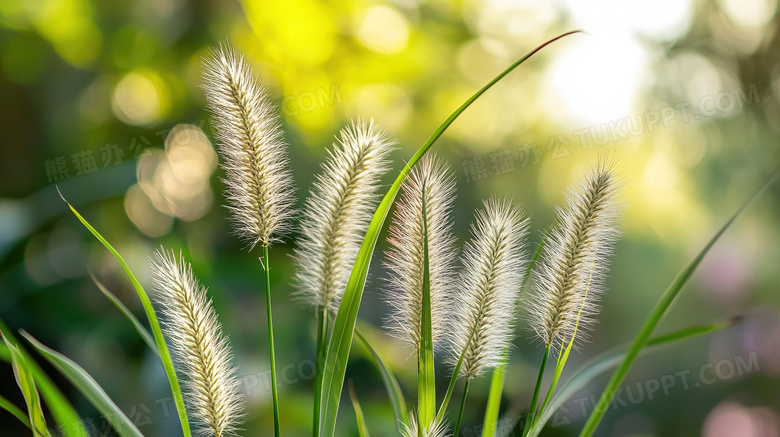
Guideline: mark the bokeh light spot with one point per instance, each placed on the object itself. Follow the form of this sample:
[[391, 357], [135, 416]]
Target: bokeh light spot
[[383, 30], [140, 98]]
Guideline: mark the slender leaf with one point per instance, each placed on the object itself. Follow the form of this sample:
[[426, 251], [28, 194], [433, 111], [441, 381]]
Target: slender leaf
[[340, 342], [68, 421], [426, 376], [26, 383], [451, 388], [609, 359], [15, 411], [129, 315], [165, 355], [88, 387], [494, 401], [641, 340], [391, 384], [361, 420]]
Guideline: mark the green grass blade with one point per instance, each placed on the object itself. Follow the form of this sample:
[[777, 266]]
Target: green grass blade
[[660, 309], [494, 401], [451, 388], [361, 420], [397, 400], [497, 381], [26, 383], [165, 355], [88, 387], [607, 360], [15, 411], [344, 326], [129, 315], [426, 377], [68, 421]]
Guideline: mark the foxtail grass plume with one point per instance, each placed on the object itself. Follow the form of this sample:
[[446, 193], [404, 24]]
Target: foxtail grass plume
[[494, 266], [430, 183], [570, 277], [259, 185], [435, 429], [201, 351], [337, 213]]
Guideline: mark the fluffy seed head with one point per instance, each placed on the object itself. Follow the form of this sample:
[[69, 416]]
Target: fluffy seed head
[[431, 183], [337, 213], [258, 182], [202, 354], [570, 277], [494, 265], [436, 429]]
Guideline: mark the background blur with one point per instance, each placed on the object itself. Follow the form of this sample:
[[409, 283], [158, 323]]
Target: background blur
[[102, 99]]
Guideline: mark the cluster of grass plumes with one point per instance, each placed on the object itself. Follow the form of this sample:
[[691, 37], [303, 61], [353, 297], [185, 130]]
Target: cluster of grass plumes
[[464, 298], [468, 306]]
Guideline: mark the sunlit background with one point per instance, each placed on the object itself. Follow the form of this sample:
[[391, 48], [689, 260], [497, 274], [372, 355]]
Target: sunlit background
[[102, 100]]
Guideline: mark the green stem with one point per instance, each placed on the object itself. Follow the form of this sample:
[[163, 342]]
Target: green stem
[[532, 410], [271, 354], [322, 332], [451, 387], [553, 385], [462, 407]]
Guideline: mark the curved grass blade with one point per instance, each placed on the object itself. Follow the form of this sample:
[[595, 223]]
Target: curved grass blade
[[494, 401], [426, 377], [361, 420], [607, 360], [68, 421], [129, 315], [88, 387], [344, 326], [165, 355], [26, 383], [15, 411], [397, 400], [497, 381], [656, 315]]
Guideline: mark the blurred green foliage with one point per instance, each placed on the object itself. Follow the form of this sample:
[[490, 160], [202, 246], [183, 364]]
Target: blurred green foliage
[[90, 93]]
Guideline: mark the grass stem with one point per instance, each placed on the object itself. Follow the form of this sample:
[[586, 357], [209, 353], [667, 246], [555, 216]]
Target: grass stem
[[272, 357], [462, 407], [322, 332], [532, 410]]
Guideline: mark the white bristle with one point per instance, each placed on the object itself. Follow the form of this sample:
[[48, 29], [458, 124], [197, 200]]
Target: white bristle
[[435, 429]]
